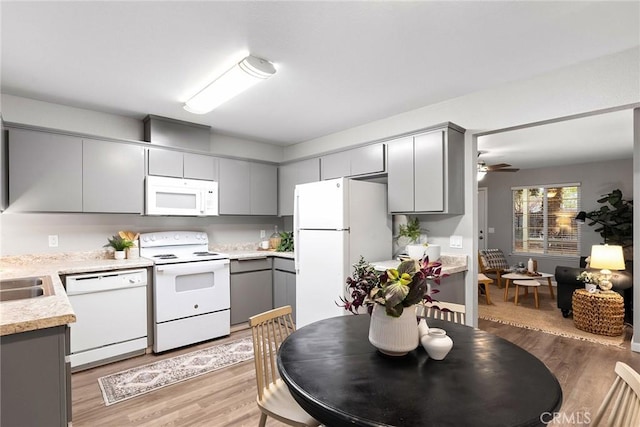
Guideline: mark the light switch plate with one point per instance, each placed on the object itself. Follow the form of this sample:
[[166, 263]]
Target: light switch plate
[[455, 242], [53, 240], [492, 230], [262, 234]]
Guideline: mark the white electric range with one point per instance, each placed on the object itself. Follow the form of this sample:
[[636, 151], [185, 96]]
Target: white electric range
[[191, 291]]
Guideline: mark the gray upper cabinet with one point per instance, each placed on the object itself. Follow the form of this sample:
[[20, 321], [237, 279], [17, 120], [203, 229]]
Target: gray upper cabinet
[[292, 174], [45, 171], [166, 163], [336, 165], [4, 171], [182, 165], [112, 177], [198, 166], [264, 189], [247, 188], [234, 187], [426, 173], [365, 160]]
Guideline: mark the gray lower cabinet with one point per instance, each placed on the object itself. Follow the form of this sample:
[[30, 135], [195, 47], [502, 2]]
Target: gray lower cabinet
[[112, 177], [426, 172], [284, 284], [34, 388], [45, 172], [292, 174], [247, 188], [251, 288]]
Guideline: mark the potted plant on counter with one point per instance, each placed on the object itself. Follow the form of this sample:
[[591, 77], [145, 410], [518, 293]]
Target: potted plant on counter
[[119, 245], [411, 231]]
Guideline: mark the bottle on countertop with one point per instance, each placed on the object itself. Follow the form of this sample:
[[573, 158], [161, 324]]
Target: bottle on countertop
[[274, 239]]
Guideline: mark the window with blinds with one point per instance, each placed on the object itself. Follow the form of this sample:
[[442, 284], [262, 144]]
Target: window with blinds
[[543, 219]]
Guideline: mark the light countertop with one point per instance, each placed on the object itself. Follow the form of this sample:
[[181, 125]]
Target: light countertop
[[52, 310], [450, 264]]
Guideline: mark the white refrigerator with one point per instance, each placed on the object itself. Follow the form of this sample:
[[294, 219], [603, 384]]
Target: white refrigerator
[[335, 222]]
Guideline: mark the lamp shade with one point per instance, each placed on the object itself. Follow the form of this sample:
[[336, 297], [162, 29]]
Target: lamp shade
[[607, 257], [237, 79]]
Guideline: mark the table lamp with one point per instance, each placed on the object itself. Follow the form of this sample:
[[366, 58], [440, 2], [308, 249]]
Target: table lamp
[[607, 258]]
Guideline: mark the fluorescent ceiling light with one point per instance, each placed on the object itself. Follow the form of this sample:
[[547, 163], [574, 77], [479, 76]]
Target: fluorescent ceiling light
[[234, 81]]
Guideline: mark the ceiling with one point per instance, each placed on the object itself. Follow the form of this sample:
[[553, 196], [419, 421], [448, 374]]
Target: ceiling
[[340, 64]]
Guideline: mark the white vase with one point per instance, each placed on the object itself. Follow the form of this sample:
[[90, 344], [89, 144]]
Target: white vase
[[423, 328], [433, 252], [415, 251], [437, 343], [394, 336], [118, 254]]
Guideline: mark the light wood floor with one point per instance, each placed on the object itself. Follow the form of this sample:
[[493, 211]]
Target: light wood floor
[[227, 397]]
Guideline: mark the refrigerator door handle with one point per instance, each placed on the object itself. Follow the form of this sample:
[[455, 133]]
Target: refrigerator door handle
[[296, 232]]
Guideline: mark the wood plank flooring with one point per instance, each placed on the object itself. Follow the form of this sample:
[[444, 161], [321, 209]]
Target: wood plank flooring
[[227, 397]]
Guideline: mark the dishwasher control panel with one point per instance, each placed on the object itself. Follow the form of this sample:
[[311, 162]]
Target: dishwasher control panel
[[105, 281]]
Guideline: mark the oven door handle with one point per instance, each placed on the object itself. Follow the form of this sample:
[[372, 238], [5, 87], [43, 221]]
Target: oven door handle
[[193, 267]]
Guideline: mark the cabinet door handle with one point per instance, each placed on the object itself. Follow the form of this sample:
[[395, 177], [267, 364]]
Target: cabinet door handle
[[252, 258]]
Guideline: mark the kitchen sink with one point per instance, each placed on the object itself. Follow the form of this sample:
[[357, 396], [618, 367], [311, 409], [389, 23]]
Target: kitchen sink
[[25, 288], [21, 293], [23, 282]]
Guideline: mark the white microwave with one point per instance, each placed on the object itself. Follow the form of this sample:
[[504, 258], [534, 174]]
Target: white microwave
[[183, 197]]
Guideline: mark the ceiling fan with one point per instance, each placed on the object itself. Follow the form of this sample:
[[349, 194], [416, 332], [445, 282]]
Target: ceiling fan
[[483, 168]]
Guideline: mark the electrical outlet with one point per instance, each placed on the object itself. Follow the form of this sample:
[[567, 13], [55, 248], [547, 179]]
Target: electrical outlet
[[53, 240], [455, 242], [263, 234]]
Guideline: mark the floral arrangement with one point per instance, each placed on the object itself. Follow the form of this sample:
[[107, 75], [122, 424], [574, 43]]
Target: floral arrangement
[[394, 288], [589, 277]]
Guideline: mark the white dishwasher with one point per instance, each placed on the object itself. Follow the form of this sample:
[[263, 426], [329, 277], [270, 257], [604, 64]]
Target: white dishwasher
[[111, 316]]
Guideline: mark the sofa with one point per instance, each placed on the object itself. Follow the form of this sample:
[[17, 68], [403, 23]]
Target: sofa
[[567, 282]]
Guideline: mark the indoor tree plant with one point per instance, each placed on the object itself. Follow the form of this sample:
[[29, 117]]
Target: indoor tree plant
[[615, 220], [411, 231]]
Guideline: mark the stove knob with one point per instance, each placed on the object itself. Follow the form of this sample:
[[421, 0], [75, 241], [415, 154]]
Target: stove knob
[[153, 237], [177, 236], [145, 239]]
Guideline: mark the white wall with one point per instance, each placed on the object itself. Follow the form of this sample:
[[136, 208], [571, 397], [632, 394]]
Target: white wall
[[595, 179], [61, 117], [27, 233], [55, 116], [225, 145], [606, 82]]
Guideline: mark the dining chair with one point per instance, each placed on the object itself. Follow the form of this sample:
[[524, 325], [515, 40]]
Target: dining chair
[[268, 330], [433, 310], [492, 262], [622, 402]]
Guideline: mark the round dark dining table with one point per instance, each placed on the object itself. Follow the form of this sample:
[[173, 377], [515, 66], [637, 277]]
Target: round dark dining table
[[340, 379]]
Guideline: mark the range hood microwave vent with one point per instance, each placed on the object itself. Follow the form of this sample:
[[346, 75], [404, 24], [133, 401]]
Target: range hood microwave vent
[[176, 133]]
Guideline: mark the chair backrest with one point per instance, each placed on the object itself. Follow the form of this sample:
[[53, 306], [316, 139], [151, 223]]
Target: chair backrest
[[448, 311], [268, 330], [492, 259], [622, 402]]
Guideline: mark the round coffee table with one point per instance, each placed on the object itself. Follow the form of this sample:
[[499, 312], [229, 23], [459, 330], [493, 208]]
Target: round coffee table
[[518, 276]]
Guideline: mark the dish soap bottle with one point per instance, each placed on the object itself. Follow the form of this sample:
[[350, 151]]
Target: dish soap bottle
[[274, 239]]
